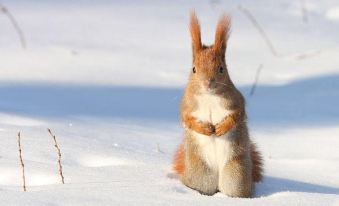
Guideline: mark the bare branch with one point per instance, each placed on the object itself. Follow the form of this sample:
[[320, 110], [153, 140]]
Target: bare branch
[[11, 18], [260, 29], [214, 3], [304, 11], [59, 155], [158, 149], [22, 162], [257, 74], [306, 54]]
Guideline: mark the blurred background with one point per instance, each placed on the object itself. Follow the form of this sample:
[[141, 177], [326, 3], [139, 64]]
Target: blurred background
[[147, 43], [284, 46]]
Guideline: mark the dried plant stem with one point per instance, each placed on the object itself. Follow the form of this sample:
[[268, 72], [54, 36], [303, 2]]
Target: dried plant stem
[[158, 149], [269, 43], [59, 155], [307, 54], [4, 10], [304, 11], [22, 162], [214, 3], [257, 74]]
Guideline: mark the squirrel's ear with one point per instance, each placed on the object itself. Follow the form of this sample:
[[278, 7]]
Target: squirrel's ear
[[222, 34], [195, 33]]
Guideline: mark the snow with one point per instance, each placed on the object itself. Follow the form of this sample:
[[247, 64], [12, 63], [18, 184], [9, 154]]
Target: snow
[[107, 78], [333, 14]]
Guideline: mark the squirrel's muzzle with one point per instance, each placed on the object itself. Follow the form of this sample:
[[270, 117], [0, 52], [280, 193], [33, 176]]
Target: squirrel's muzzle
[[211, 84]]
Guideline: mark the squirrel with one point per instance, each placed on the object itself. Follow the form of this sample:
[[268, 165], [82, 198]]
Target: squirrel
[[216, 154]]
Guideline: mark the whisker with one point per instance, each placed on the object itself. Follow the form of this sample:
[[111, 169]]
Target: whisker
[[222, 83]]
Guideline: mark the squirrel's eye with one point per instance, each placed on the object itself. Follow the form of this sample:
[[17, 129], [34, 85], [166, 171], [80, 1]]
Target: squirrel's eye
[[194, 70], [221, 70]]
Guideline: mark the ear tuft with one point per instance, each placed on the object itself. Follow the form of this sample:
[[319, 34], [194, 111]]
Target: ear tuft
[[195, 32], [222, 33]]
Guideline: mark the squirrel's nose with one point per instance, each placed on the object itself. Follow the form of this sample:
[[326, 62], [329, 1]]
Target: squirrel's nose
[[211, 83]]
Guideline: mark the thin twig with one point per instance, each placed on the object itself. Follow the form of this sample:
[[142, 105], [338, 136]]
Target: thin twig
[[307, 54], [214, 3], [4, 10], [260, 29], [257, 74], [158, 149], [22, 162], [59, 155], [304, 11]]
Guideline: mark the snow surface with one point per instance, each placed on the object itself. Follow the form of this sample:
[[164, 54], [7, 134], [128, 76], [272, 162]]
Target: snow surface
[[333, 14], [107, 78]]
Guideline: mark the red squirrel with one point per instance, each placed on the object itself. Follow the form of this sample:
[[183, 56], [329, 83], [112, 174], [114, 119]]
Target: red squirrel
[[216, 153]]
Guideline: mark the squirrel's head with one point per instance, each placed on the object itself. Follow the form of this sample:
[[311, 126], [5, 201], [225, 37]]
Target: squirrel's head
[[209, 70]]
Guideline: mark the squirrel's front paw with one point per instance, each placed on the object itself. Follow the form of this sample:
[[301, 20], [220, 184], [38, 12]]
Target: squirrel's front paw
[[221, 129], [206, 128]]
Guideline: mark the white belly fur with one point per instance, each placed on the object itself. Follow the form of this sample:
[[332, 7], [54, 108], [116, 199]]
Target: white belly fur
[[216, 151]]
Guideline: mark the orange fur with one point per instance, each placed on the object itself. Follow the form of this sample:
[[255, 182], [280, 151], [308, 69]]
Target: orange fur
[[195, 33], [212, 106], [227, 124], [179, 160], [201, 127], [222, 33]]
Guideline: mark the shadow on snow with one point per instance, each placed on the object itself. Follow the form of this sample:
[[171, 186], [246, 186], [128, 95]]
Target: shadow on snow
[[272, 185], [306, 102]]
